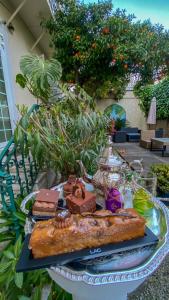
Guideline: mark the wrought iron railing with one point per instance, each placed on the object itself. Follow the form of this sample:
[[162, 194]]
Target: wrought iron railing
[[52, 5], [18, 172]]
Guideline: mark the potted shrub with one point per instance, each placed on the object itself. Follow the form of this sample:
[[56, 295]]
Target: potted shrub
[[162, 173], [66, 127], [119, 124]]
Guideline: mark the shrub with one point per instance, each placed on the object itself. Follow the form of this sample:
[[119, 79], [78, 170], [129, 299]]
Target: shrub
[[162, 173], [160, 91]]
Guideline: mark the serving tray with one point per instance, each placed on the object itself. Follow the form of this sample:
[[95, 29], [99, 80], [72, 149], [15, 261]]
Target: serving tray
[[27, 262]]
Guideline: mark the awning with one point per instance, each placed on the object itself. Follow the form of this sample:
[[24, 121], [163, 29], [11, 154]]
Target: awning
[[32, 12]]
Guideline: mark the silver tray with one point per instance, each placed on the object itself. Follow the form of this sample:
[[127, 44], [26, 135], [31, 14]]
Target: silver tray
[[121, 267]]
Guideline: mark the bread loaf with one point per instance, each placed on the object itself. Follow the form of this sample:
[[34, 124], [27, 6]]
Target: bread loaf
[[78, 232]]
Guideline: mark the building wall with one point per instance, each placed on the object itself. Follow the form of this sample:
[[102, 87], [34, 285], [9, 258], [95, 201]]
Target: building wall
[[130, 103], [18, 43]]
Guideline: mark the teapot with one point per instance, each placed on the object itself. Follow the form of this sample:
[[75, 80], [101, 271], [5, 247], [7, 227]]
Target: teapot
[[109, 172]]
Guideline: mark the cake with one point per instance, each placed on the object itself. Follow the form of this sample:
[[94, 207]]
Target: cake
[[81, 200], [46, 203], [68, 186], [70, 233]]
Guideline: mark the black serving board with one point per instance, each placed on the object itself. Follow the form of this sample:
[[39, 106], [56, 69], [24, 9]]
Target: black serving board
[[60, 205], [27, 262]]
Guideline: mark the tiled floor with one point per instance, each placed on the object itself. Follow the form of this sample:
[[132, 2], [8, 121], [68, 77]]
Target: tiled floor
[[157, 286]]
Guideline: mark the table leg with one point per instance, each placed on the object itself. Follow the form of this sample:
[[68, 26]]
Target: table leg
[[163, 150]]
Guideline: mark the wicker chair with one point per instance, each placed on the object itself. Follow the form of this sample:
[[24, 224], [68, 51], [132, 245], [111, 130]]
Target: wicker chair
[[146, 136]]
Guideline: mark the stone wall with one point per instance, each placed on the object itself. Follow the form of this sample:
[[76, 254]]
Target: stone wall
[[163, 124]]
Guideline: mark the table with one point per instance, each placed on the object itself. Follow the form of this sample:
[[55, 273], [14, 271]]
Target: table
[[163, 142], [123, 274], [114, 278]]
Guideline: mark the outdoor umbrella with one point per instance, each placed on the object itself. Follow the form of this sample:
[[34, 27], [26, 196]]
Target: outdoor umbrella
[[151, 120]]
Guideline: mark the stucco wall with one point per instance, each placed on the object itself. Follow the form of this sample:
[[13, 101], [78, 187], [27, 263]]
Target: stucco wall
[[19, 43], [135, 116]]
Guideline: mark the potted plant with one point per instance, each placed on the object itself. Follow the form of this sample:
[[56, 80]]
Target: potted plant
[[162, 173], [65, 128], [119, 124]]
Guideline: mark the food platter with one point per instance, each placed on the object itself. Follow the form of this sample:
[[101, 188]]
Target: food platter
[[124, 260], [28, 263]]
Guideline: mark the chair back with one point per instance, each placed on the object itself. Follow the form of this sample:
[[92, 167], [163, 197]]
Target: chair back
[[147, 135], [130, 129]]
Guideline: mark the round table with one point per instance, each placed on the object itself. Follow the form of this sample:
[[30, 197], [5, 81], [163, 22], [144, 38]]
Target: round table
[[113, 277]]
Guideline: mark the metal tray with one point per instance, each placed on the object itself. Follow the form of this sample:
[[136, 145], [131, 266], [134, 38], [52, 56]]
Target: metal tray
[[27, 262]]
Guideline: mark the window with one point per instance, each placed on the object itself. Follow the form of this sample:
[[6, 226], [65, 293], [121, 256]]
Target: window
[[5, 123], [7, 105]]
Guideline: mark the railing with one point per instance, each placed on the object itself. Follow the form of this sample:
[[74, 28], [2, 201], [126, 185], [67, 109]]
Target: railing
[[52, 5], [18, 172]]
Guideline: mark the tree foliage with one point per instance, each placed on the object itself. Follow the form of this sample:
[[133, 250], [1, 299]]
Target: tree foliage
[[99, 47], [160, 91]]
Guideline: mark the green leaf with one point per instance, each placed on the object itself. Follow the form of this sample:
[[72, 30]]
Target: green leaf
[[18, 280], [5, 224], [24, 298], [17, 247], [20, 216], [37, 293], [3, 277], [2, 296], [9, 254], [6, 236], [21, 80], [4, 266]]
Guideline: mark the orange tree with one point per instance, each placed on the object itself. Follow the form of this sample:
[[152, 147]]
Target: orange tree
[[99, 47]]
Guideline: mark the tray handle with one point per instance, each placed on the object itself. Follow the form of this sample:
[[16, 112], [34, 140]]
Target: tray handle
[[26, 200]]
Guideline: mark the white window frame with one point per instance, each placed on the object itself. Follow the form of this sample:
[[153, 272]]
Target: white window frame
[[4, 49]]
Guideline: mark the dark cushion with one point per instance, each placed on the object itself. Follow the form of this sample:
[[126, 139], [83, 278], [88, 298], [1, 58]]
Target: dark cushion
[[159, 133], [135, 137], [120, 137], [130, 129]]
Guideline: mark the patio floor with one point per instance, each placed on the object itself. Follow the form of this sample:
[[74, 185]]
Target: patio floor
[[134, 151], [157, 286]]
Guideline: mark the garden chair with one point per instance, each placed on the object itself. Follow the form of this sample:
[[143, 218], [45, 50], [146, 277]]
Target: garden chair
[[146, 136]]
